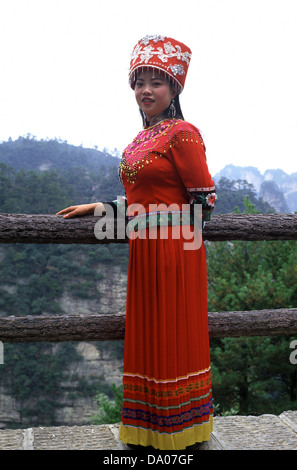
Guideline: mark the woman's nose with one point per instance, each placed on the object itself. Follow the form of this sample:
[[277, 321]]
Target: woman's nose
[[146, 89]]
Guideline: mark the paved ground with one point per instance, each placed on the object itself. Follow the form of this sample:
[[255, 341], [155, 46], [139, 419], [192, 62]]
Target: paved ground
[[266, 432]]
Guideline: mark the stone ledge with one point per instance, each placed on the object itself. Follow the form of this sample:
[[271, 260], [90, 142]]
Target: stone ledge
[[265, 432]]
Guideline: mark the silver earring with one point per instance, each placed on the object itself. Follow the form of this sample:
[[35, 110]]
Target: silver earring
[[172, 109]]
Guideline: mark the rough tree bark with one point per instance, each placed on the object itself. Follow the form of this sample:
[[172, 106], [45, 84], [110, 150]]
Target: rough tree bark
[[58, 328], [23, 228]]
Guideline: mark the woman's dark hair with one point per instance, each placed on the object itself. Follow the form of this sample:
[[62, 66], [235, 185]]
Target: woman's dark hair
[[179, 114]]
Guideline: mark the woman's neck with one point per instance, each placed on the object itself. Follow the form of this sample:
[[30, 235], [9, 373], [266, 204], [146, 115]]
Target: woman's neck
[[156, 119]]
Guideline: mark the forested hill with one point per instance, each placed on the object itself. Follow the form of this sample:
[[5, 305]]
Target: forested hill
[[47, 175], [30, 154]]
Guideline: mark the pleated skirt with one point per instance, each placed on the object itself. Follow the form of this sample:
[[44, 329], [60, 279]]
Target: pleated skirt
[[167, 396]]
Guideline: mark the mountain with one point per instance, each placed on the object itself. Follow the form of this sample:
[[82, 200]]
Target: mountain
[[275, 187], [27, 153]]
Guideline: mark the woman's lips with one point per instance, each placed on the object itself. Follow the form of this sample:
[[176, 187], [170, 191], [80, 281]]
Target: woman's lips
[[147, 102]]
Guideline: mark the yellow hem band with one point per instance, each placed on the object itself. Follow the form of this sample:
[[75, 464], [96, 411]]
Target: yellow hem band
[[176, 441]]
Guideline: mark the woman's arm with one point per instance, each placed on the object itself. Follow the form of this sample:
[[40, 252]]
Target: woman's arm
[[79, 211]]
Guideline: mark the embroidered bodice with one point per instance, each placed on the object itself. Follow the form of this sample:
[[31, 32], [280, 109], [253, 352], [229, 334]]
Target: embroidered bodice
[[166, 163]]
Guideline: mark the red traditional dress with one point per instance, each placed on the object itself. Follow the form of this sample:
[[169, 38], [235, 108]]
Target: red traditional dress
[[167, 397]]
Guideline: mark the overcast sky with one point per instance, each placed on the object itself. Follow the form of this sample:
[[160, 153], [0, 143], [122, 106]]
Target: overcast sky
[[64, 73]]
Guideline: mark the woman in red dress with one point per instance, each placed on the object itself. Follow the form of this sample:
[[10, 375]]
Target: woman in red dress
[[167, 397]]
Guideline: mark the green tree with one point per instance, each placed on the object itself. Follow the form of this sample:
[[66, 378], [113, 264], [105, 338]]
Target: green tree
[[252, 375], [232, 194], [109, 410], [32, 374]]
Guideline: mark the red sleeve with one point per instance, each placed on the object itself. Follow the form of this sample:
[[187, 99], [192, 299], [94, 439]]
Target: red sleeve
[[189, 157]]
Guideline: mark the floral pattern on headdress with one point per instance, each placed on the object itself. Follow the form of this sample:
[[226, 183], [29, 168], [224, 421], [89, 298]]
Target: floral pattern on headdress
[[162, 53]]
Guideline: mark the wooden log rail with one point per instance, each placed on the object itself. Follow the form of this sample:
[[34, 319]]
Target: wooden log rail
[[23, 228], [58, 328], [43, 229]]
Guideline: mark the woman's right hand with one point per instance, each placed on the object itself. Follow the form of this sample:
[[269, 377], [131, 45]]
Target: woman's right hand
[[79, 211]]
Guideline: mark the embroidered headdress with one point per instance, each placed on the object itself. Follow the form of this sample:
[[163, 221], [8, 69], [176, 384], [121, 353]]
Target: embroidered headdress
[[164, 54]]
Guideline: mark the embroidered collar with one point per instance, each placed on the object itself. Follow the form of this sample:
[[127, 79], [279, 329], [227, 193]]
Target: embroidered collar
[[155, 120]]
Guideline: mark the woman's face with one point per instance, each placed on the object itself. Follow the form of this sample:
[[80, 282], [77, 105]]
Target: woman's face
[[153, 93]]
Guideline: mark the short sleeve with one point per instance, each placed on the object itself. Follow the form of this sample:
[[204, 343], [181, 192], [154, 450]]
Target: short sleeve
[[188, 155]]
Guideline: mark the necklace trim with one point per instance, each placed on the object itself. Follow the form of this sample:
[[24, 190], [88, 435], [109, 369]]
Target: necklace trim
[[156, 120]]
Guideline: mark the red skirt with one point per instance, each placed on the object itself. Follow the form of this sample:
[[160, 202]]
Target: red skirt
[[167, 397]]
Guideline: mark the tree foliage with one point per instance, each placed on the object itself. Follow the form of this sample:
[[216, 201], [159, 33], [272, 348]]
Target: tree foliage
[[33, 375], [34, 277], [232, 196], [252, 375], [109, 410]]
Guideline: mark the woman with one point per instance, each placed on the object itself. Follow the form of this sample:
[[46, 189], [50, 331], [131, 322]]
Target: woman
[[167, 398]]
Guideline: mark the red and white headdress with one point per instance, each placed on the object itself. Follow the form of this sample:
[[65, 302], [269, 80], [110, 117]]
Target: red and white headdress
[[164, 54]]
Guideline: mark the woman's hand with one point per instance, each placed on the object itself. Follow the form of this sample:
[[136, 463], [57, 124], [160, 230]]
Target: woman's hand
[[79, 211]]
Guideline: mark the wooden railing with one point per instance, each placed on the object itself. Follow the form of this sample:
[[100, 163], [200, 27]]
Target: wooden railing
[[23, 228], [41, 229]]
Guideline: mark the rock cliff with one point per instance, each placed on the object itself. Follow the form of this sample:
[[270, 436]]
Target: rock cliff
[[98, 364], [276, 187]]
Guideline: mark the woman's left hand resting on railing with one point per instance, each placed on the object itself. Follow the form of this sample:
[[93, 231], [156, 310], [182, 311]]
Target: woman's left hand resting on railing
[[80, 210]]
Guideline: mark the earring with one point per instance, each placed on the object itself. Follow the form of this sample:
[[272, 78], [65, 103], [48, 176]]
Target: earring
[[172, 109]]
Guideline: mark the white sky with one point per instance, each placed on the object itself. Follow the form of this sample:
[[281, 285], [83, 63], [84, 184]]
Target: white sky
[[64, 73]]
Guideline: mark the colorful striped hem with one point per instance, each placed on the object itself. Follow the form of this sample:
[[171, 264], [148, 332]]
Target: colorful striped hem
[[166, 407], [179, 406], [159, 421]]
